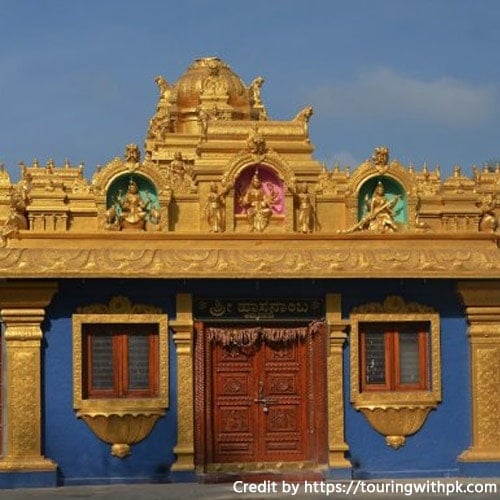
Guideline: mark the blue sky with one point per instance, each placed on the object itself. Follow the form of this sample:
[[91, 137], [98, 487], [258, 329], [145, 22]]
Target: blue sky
[[422, 77]]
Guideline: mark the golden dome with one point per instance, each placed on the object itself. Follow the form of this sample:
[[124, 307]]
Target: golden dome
[[190, 86]]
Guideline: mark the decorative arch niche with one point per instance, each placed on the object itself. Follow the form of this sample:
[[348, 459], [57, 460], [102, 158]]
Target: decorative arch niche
[[270, 180], [273, 188], [392, 189], [147, 189]]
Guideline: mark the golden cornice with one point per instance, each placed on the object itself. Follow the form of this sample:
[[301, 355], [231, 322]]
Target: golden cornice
[[170, 255]]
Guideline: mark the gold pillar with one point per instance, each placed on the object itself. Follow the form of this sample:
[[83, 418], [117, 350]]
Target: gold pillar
[[183, 339], [22, 310], [482, 301], [337, 447]]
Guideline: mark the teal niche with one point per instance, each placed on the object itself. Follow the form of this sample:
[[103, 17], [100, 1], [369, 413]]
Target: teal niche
[[395, 199], [132, 203]]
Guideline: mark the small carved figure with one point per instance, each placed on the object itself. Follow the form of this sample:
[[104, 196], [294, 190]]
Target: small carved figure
[[254, 90], [132, 153], [258, 204], [203, 118], [488, 222], [215, 208], [256, 142], [306, 209], [160, 124], [180, 174], [214, 83], [17, 219], [178, 168], [163, 87], [380, 159]]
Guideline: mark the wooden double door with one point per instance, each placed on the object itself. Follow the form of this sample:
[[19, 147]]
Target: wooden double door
[[264, 402]]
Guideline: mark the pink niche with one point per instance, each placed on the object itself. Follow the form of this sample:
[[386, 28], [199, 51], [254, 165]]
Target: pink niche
[[271, 185]]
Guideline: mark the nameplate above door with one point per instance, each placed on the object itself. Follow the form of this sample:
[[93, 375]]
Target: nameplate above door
[[258, 309]]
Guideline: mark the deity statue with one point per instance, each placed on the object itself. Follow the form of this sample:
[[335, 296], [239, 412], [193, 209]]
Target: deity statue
[[306, 209], [215, 207], [380, 216], [130, 211], [164, 88], [180, 174], [254, 92], [17, 218], [203, 118], [259, 204], [488, 221]]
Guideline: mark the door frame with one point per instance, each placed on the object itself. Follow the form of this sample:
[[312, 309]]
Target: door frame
[[316, 400]]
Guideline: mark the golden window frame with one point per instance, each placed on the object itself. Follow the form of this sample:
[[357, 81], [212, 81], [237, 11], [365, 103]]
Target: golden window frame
[[395, 310], [396, 414], [121, 314]]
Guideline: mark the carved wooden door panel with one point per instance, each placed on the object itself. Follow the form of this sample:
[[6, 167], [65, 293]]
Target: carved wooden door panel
[[259, 398]]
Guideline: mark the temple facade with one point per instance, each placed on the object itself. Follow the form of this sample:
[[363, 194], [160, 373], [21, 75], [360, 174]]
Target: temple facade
[[219, 304]]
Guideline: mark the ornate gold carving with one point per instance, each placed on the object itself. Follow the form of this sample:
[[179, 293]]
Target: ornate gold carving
[[125, 421], [22, 312], [121, 429], [337, 447], [380, 216], [258, 204], [380, 159], [119, 305], [396, 414], [256, 144], [183, 339], [215, 208], [17, 218], [393, 304], [185, 257], [482, 301], [303, 117], [488, 220], [395, 422], [260, 112], [180, 175], [306, 211]]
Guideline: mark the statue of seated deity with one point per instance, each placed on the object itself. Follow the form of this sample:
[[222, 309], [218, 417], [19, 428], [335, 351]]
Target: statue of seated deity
[[259, 204], [130, 211], [380, 216]]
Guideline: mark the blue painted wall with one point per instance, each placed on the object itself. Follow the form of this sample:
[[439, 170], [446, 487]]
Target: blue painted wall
[[83, 458]]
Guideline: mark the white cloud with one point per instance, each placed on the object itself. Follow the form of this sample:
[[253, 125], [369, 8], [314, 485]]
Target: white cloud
[[383, 93]]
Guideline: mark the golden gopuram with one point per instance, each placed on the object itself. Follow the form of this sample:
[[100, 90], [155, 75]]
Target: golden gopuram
[[217, 303]]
